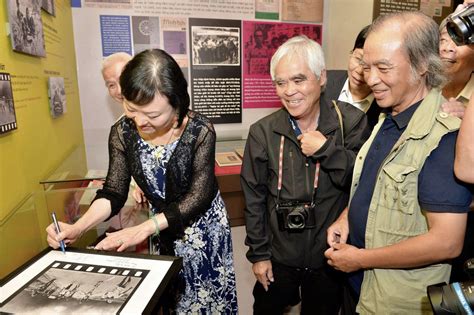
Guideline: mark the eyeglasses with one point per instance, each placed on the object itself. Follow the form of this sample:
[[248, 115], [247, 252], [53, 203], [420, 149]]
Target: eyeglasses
[[355, 59]]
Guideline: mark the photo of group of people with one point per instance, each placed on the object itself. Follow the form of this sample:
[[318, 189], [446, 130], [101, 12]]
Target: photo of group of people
[[57, 96], [215, 45], [26, 27], [7, 110], [261, 40], [84, 288]]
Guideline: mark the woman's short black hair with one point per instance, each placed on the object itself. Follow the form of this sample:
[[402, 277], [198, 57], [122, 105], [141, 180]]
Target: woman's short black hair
[[153, 71], [360, 40]]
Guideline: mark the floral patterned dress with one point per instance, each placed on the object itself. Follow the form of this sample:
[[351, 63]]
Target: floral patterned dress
[[206, 247]]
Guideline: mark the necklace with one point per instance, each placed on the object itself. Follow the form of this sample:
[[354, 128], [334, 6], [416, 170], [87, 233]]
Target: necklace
[[160, 149]]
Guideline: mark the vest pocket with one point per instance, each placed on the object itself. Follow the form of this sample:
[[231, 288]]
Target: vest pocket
[[398, 172], [400, 189]]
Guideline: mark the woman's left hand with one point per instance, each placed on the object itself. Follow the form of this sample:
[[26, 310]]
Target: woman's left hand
[[123, 239]]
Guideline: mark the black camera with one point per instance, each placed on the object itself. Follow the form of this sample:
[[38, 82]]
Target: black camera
[[294, 215], [454, 298], [460, 26]]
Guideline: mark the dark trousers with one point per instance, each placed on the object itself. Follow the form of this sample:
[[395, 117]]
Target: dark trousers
[[349, 301], [321, 291]]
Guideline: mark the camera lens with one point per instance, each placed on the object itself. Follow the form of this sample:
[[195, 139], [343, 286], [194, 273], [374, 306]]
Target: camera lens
[[460, 26], [459, 32], [455, 298], [297, 220]]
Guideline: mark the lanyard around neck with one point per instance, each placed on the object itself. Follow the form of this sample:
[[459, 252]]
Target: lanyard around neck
[[280, 172]]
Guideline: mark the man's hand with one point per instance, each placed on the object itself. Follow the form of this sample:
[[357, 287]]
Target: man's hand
[[339, 230], [343, 257], [311, 142], [263, 272], [454, 108]]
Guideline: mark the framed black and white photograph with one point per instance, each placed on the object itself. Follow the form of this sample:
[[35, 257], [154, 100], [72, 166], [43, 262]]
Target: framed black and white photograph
[[57, 96], [26, 26], [215, 45], [7, 108], [86, 281], [48, 6]]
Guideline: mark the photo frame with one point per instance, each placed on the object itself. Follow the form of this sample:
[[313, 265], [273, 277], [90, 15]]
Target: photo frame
[[7, 107], [26, 27], [57, 96], [228, 159], [48, 6], [84, 280], [215, 45]]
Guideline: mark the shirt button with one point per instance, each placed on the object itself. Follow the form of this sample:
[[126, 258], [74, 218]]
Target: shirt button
[[443, 115]]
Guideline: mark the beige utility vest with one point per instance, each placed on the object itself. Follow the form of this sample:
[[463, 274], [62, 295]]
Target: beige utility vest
[[395, 214]]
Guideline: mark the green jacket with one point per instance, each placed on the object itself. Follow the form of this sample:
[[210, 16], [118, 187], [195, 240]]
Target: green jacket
[[395, 214]]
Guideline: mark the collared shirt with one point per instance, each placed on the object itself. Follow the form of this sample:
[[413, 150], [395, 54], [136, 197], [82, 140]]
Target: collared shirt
[[438, 190], [467, 91], [296, 128], [346, 96]]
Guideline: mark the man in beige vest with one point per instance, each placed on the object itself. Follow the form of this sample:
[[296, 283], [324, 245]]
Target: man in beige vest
[[407, 213]]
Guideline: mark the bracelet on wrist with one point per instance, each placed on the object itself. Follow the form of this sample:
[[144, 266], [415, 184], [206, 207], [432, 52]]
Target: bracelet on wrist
[[155, 221]]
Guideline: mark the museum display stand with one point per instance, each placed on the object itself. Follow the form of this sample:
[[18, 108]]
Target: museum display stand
[[228, 178]]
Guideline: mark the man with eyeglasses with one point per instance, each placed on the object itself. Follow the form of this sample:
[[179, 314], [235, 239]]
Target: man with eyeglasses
[[407, 213], [349, 86]]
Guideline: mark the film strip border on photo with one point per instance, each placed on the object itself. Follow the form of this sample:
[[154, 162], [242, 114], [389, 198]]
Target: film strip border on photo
[[10, 125], [7, 127], [118, 271], [4, 76]]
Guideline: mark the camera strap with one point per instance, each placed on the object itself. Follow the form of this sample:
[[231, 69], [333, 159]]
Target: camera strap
[[280, 173]]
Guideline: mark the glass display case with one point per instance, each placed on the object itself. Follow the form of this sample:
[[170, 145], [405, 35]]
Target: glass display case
[[70, 189]]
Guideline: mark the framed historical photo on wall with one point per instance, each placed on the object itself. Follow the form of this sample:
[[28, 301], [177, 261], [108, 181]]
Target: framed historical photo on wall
[[7, 108], [26, 26], [85, 281], [57, 96], [48, 6]]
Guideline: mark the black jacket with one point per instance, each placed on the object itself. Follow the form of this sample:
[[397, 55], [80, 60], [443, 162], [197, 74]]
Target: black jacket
[[335, 83], [259, 179]]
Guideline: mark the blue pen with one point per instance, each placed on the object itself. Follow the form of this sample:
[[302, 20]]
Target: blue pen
[[56, 225]]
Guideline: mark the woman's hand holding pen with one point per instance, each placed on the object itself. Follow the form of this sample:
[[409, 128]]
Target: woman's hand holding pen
[[69, 233]]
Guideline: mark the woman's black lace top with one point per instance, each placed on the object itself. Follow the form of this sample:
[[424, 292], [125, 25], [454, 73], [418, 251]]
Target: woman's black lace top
[[190, 181]]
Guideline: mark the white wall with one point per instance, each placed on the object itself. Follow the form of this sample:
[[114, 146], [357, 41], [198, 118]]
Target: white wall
[[343, 19]]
